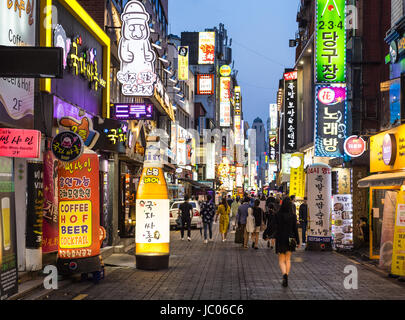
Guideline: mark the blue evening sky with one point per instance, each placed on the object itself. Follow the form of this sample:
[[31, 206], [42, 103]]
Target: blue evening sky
[[260, 30]]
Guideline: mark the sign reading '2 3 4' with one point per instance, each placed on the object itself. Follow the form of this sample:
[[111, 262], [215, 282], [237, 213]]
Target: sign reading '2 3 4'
[[330, 41]]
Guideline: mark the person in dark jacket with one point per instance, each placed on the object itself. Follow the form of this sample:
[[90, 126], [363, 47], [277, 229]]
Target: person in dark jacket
[[303, 216], [258, 214], [285, 228], [270, 214], [208, 213], [186, 211]]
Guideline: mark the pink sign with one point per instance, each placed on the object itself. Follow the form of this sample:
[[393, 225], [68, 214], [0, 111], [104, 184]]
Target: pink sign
[[19, 143]]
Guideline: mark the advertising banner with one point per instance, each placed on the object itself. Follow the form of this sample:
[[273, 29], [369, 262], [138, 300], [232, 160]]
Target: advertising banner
[[35, 204], [330, 120], [8, 237], [273, 112], [388, 229], [342, 221], [225, 102], [50, 211], [319, 196], [398, 254], [206, 48], [330, 41], [205, 84], [290, 113], [297, 175], [183, 63], [79, 217], [20, 143], [18, 19]]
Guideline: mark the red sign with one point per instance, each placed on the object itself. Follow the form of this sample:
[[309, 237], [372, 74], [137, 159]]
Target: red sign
[[291, 75], [19, 143], [354, 146]]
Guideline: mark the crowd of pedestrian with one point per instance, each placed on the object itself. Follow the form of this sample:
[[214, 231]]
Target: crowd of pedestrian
[[274, 215]]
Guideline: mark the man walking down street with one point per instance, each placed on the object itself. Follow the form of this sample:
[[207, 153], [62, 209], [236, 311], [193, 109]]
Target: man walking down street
[[208, 213], [303, 216], [242, 218], [186, 211]]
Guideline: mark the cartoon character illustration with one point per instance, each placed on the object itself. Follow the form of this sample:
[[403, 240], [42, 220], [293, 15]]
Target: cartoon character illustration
[[62, 41], [137, 72], [84, 129], [67, 142]]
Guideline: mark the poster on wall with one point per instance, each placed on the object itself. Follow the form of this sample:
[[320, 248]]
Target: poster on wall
[[78, 207], [330, 120], [342, 221], [50, 210], [8, 236], [398, 254], [17, 94], [387, 230], [319, 196]]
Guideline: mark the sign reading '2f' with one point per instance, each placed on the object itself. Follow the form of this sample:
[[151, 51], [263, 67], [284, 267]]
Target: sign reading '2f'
[[330, 41]]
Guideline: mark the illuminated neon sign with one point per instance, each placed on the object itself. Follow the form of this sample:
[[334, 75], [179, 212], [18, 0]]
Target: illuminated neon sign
[[132, 111]]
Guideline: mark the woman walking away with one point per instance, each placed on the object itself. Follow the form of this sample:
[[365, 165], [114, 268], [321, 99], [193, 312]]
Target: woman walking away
[[223, 212], [250, 227], [208, 213], [286, 234], [268, 234], [234, 210], [259, 215]]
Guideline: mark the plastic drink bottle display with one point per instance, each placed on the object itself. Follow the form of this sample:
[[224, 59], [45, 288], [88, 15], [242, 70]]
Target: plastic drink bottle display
[[5, 214]]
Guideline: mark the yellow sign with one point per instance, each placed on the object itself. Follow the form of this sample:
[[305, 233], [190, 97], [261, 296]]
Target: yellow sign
[[397, 149], [398, 253], [183, 63], [344, 180], [75, 224], [297, 176]]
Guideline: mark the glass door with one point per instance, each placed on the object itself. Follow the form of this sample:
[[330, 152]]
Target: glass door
[[383, 203]]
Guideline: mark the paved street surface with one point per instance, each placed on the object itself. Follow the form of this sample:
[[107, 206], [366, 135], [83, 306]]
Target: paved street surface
[[225, 271]]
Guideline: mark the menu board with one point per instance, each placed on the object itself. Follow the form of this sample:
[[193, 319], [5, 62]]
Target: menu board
[[342, 221]]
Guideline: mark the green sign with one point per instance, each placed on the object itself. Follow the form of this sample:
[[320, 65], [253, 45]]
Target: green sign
[[330, 41]]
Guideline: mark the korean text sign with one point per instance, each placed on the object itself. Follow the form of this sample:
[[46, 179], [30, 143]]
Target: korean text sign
[[330, 41], [290, 111], [206, 48], [20, 143], [79, 219], [225, 101], [342, 221], [398, 254], [330, 121], [319, 202]]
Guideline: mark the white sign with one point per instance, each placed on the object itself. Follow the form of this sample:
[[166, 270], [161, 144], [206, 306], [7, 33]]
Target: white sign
[[152, 221], [206, 48], [319, 195], [137, 74], [210, 159], [18, 25], [273, 118]]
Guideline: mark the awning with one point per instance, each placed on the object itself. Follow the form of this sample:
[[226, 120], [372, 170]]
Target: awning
[[382, 180], [195, 183]]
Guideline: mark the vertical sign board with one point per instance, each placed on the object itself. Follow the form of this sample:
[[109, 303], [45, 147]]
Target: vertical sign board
[[297, 175], [342, 221], [290, 112], [225, 102], [18, 20], [137, 74], [35, 204], [8, 237], [237, 116], [330, 120], [50, 211], [79, 207], [182, 63], [398, 254], [330, 41], [319, 195], [206, 48], [152, 213]]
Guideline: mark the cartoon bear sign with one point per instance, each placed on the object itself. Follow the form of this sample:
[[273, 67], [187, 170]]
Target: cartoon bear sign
[[137, 74]]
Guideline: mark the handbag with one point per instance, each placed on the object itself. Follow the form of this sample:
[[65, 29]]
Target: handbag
[[292, 242], [199, 223], [178, 220], [239, 235]]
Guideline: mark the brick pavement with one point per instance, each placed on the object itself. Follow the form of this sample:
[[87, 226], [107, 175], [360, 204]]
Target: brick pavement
[[225, 271]]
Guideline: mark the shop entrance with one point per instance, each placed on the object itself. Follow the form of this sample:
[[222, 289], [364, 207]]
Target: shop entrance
[[382, 214]]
